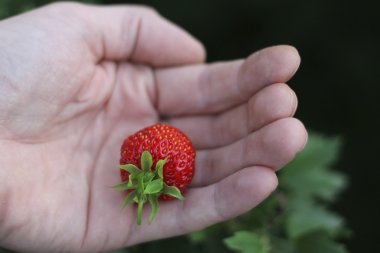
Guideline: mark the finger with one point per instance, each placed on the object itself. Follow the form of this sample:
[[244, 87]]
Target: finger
[[272, 146], [134, 33], [272, 103], [216, 87], [206, 206]]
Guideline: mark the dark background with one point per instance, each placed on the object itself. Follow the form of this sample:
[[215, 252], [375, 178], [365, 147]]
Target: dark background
[[337, 84]]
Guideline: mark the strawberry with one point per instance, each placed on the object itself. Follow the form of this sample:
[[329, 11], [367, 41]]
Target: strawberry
[[157, 163]]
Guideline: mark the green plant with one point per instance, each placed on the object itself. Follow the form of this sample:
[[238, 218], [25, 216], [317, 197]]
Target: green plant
[[296, 219]]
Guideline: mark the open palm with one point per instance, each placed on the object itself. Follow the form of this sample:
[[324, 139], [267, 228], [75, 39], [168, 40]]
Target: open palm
[[75, 80]]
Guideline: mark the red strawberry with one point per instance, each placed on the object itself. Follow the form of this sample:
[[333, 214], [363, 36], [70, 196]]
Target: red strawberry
[[157, 162]]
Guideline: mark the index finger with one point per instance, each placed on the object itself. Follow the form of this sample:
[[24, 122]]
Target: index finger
[[123, 32], [201, 89]]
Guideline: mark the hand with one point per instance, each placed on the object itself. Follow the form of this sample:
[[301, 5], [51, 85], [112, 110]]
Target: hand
[[75, 80]]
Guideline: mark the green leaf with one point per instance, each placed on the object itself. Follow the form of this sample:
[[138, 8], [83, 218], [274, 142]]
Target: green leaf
[[140, 184], [129, 199], [198, 236], [154, 187], [147, 185], [153, 200], [146, 161], [310, 175], [130, 168], [148, 177], [314, 181], [160, 168], [319, 242], [306, 217], [173, 191], [320, 150], [281, 245], [134, 177], [248, 242], [123, 186]]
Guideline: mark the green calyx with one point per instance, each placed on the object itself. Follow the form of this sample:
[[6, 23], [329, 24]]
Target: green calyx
[[146, 186]]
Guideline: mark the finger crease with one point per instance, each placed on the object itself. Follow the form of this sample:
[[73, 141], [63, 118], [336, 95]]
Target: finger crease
[[137, 32]]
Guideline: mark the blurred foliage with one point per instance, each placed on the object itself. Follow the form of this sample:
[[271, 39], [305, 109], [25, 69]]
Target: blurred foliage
[[10, 7], [295, 219]]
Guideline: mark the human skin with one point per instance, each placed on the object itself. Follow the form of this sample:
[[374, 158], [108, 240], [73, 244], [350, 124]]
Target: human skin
[[75, 80]]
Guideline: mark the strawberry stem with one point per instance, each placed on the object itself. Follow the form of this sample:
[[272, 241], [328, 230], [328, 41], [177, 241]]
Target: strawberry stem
[[146, 185], [140, 206]]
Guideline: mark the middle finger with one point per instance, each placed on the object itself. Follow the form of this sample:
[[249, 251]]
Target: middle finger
[[272, 103]]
